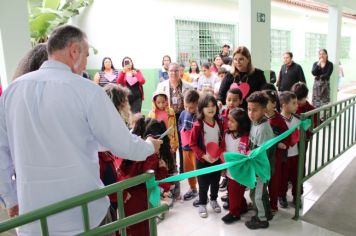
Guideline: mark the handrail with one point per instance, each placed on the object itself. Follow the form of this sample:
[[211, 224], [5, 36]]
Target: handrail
[[338, 135], [82, 200]]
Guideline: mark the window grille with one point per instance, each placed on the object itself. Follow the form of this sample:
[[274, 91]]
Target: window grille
[[313, 43], [201, 41], [280, 43], [345, 47]]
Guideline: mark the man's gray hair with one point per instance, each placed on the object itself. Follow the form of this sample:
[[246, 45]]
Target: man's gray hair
[[63, 36]]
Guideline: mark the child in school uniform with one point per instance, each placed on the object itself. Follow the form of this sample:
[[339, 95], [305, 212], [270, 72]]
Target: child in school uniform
[[109, 163], [207, 143], [289, 106], [260, 132], [135, 198], [279, 126], [233, 100], [236, 140], [185, 125]]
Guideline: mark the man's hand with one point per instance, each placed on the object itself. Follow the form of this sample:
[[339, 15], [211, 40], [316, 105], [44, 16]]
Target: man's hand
[[13, 211], [156, 143]]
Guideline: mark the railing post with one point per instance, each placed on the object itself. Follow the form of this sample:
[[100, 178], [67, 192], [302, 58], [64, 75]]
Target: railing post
[[301, 167], [152, 221]]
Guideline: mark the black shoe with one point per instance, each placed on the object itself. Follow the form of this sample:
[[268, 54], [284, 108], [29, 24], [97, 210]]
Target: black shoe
[[192, 193], [224, 198], [256, 223], [223, 185], [196, 203], [283, 202], [230, 218], [226, 205]]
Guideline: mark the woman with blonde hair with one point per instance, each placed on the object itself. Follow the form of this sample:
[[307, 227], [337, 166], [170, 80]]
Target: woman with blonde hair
[[243, 75]]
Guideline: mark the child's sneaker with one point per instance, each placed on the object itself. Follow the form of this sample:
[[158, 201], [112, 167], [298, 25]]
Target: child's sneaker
[[196, 203], [230, 218], [283, 202], [226, 205], [225, 198], [223, 185], [256, 223], [192, 193], [203, 213], [215, 205]]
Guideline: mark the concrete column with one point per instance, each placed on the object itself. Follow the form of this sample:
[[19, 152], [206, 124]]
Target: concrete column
[[333, 43], [255, 31], [14, 37]]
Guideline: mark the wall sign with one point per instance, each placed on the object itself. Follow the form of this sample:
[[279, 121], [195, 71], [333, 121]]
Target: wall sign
[[261, 17]]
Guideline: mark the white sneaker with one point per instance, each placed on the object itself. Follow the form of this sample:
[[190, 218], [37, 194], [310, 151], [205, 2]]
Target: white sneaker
[[215, 205], [202, 211]]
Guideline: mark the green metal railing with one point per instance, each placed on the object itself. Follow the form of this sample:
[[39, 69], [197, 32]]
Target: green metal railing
[[330, 138], [83, 200]]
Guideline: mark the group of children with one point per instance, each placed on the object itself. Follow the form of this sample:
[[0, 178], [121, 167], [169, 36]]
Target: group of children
[[206, 133]]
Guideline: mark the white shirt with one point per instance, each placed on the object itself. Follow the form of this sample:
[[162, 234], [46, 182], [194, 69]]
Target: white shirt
[[211, 135], [232, 145], [207, 82], [292, 151], [51, 125]]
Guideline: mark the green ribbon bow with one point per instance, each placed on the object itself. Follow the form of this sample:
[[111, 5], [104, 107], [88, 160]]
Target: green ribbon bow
[[242, 168]]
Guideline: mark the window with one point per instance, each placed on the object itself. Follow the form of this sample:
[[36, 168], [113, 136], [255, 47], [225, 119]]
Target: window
[[201, 41], [345, 47], [313, 43], [280, 43]]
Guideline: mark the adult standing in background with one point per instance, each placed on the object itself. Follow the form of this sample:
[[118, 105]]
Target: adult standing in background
[[174, 87], [107, 74], [133, 79], [194, 73], [242, 75], [217, 63], [322, 71], [290, 73], [52, 122], [163, 72], [225, 55]]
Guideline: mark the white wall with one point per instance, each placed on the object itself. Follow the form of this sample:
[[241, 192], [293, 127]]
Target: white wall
[[145, 29]]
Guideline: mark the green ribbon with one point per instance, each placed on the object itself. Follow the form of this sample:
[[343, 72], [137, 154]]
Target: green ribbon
[[242, 168]]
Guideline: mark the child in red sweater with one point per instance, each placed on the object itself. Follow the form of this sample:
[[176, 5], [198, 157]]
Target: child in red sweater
[[136, 197], [236, 140], [279, 126]]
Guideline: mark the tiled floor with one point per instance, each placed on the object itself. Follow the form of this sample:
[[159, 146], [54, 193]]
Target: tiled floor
[[183, 219]]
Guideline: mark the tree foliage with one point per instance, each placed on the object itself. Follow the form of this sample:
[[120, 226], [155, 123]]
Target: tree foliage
[[46, 15]]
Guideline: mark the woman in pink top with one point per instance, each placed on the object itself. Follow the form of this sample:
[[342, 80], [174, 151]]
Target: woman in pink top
[[133, 79]]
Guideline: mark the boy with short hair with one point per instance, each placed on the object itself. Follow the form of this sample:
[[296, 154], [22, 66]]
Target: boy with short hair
[[260, 132], [289, 106], [233, 100], [185, 125]]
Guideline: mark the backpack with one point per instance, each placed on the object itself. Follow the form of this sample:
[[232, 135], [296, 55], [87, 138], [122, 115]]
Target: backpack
[[108, 171]]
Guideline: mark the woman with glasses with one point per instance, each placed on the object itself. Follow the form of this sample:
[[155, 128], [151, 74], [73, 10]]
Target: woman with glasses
[[243, 75]]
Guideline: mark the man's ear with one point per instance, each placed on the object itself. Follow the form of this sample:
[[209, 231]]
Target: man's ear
[[74, 50]]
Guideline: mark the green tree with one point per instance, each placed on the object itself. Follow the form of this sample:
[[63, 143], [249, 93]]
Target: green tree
[[46, 15]]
